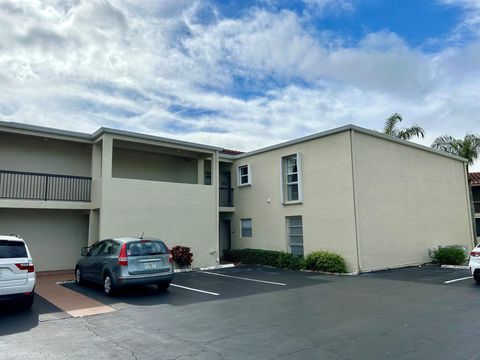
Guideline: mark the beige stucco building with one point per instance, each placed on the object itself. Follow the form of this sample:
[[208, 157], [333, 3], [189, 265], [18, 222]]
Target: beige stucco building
[[378, 201]]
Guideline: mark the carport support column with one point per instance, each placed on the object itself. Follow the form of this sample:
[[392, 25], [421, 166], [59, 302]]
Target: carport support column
[[201, 171], [107, 156]]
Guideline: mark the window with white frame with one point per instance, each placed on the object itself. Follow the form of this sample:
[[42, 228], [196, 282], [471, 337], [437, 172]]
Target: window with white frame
[[291, 174], [246, 228], [244, 175], [295, 235]]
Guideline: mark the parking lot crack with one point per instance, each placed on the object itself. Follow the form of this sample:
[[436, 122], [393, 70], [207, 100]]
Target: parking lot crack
[[88, 325]]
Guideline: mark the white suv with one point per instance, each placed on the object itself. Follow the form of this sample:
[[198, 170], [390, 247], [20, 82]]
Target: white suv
[[17, 273], [474, 263]]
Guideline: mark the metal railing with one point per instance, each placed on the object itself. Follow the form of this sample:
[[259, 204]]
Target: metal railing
[[226, 197], [39, 186]]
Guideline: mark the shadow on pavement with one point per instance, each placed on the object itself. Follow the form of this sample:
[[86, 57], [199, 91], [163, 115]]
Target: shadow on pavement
[[226, 287], [16, 319]]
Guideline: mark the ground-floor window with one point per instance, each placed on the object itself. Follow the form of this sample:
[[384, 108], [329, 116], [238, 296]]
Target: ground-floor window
[[295, 234], [246, 228]]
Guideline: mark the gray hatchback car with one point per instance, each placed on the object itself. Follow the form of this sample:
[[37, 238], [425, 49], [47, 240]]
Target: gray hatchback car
[[125, 261]]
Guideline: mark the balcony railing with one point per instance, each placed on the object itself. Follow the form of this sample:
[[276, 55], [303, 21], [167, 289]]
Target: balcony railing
[[476, 205], [38, 186], [226, 197]]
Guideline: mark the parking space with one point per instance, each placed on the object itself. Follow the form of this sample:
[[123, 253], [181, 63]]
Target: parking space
[[266, 313]]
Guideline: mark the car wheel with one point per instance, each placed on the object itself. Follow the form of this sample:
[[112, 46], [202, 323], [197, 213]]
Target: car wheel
[[108, 285], [28, 302], [78, 277], [477, 277], [163, 285]]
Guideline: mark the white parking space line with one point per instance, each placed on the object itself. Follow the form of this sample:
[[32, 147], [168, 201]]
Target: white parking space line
[[197, 290], [455, 280], [243, 278]]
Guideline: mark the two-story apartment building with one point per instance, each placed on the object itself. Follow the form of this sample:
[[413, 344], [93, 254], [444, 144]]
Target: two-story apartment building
[[62, 190], [378, 201], [474, 179]]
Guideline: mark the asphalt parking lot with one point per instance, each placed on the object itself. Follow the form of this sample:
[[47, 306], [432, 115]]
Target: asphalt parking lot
[[262, 313]]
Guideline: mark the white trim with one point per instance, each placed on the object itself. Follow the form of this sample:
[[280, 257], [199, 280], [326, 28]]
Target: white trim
[[347, 128], [249, 175], [283, 181]]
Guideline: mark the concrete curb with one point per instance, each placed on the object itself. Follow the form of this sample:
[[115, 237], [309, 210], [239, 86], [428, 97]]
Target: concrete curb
[[216, 267], [183, 270], [459, 267]]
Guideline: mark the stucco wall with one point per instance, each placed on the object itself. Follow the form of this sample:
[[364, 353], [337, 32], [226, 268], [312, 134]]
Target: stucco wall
[[327, 211], [34, 154], [144, 165], [408, 200], [54, 237], [179, 214]]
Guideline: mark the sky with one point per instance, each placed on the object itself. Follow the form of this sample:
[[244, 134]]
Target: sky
[[241, 74]]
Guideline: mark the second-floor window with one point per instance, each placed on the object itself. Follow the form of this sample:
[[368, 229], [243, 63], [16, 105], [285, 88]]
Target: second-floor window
[[291, 173], [244, 175]]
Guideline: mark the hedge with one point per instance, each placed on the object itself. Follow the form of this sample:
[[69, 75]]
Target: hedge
[[450, 256], [325, 261], [318, 260]]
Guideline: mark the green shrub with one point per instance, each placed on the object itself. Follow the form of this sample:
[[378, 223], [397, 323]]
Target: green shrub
[[318, 260], [450, 256], [252, 256], [325, 261], [264, 257]]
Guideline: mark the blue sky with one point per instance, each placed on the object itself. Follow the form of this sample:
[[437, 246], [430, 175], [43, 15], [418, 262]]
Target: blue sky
[[241, 74]]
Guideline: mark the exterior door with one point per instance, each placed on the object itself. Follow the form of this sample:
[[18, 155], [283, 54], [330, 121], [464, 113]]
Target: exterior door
[[225, 236]]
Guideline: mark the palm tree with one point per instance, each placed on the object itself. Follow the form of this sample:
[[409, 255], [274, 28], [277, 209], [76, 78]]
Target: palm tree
[[406, 133], [468, 148]]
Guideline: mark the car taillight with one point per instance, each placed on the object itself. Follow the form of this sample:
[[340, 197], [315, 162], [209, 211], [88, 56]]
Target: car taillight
[[475, 253], [26, 266], [122, 257], [170, 256]]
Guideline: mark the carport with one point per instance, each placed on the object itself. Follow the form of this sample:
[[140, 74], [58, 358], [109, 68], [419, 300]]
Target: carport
[[54, 237]]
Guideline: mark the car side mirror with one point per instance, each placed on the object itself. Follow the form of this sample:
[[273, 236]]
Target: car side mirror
[[85, 251]]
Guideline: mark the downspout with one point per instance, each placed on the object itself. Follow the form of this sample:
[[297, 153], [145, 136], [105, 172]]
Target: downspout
[[471, 217]]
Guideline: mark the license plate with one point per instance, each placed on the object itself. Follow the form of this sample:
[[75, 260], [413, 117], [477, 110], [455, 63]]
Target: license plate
[[150, 265]]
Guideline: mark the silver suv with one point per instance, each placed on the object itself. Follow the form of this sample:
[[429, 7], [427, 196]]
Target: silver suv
[[125, 261], [17, 273]]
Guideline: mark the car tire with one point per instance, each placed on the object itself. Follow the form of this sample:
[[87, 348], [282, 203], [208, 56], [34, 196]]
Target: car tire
[[78, 277], [476, 277], [28, 302], [108, 285], [163, 285]]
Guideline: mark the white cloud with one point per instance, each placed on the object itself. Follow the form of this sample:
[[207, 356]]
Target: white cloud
[[159, 67]]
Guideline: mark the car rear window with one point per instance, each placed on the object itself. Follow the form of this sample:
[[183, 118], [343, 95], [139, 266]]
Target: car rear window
[[146, 247], [12, 249]]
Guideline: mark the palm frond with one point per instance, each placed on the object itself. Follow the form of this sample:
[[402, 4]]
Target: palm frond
[[391, 124], [408, 133], [446, 143]]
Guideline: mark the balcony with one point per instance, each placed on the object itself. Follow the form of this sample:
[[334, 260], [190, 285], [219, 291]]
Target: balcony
[[226, 197], [39, 186]]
